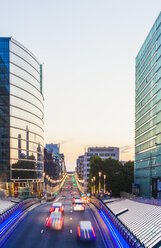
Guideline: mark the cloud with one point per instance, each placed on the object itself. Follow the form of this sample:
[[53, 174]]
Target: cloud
[[126, 149]]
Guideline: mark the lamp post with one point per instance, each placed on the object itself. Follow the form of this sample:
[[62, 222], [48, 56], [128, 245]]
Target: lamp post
[[99, 188], [104, 176], [94, 190], [92, 186]]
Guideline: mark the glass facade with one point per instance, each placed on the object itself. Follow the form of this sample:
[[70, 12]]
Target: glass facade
[[148, 111], [22, 114]]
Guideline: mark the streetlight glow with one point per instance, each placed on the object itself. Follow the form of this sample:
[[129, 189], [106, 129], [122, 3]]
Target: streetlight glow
[[99, 189], [104, 183]]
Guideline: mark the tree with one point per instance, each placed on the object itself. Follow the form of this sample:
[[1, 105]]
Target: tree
[[118, 177]]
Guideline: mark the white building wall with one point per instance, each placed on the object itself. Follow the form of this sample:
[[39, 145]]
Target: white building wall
[[103, 152]]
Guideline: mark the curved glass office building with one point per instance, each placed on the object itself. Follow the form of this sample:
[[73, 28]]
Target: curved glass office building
[[21, 114]]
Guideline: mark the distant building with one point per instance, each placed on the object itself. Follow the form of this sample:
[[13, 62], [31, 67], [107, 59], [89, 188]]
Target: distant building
[[103, 152], [52, 148], [54, 162], [147, 166], [51, 165], [80, 166], [62, 163]]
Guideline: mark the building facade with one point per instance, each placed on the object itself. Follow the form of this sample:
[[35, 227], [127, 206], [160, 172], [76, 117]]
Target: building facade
[[21, 114], [56, 161], [103, 152], [80, 166], [54, 148], [148, 111], [51, 165]]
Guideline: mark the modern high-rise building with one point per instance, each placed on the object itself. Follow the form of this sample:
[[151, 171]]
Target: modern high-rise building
[[21, 114], [147, 170]]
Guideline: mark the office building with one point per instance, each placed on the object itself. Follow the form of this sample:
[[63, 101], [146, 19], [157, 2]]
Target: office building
[[80, 166], [103, 152], [148, 113], [21, 115], [54, 148]]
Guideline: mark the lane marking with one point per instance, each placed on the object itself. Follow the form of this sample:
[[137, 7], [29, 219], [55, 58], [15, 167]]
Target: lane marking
[[71, 218], [57, 199], [42, 231], [71, 230]]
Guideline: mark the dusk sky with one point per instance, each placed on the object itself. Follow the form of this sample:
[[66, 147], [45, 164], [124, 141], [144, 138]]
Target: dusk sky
[[88, 50]]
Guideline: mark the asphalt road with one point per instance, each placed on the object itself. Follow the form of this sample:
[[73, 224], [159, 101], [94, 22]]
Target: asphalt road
[[31, 232]]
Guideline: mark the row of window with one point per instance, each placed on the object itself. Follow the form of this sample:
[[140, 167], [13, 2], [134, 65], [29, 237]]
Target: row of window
[[147, 63], [33, 137], [27, 116], [22, 124], [24, 53], [23, 74], [101, 149], [146, 72], [101, 155], [149, 52], [20, 93], [14, 59], [147, 98], [149, 42], [145, 90], [27, 86]]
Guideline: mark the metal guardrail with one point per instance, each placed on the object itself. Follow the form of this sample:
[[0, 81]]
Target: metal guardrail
[[130, 238], [12, 214]]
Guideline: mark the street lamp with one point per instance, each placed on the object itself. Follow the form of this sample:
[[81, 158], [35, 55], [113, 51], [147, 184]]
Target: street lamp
[[104, 176], [92, 186], [94, 190], [99, 173]]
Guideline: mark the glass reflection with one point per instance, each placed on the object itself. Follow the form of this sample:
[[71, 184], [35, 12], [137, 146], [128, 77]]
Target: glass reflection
[[4, 110], [28, 163]]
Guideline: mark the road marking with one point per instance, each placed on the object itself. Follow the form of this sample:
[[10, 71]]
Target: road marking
[[57, 199], [71, 231], [42, 231], [71, 218]]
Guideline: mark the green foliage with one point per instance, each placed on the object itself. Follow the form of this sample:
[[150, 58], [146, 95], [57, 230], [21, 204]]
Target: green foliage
[[118, 177]]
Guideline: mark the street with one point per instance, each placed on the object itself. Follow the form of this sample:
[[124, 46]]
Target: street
[[31, 232]]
